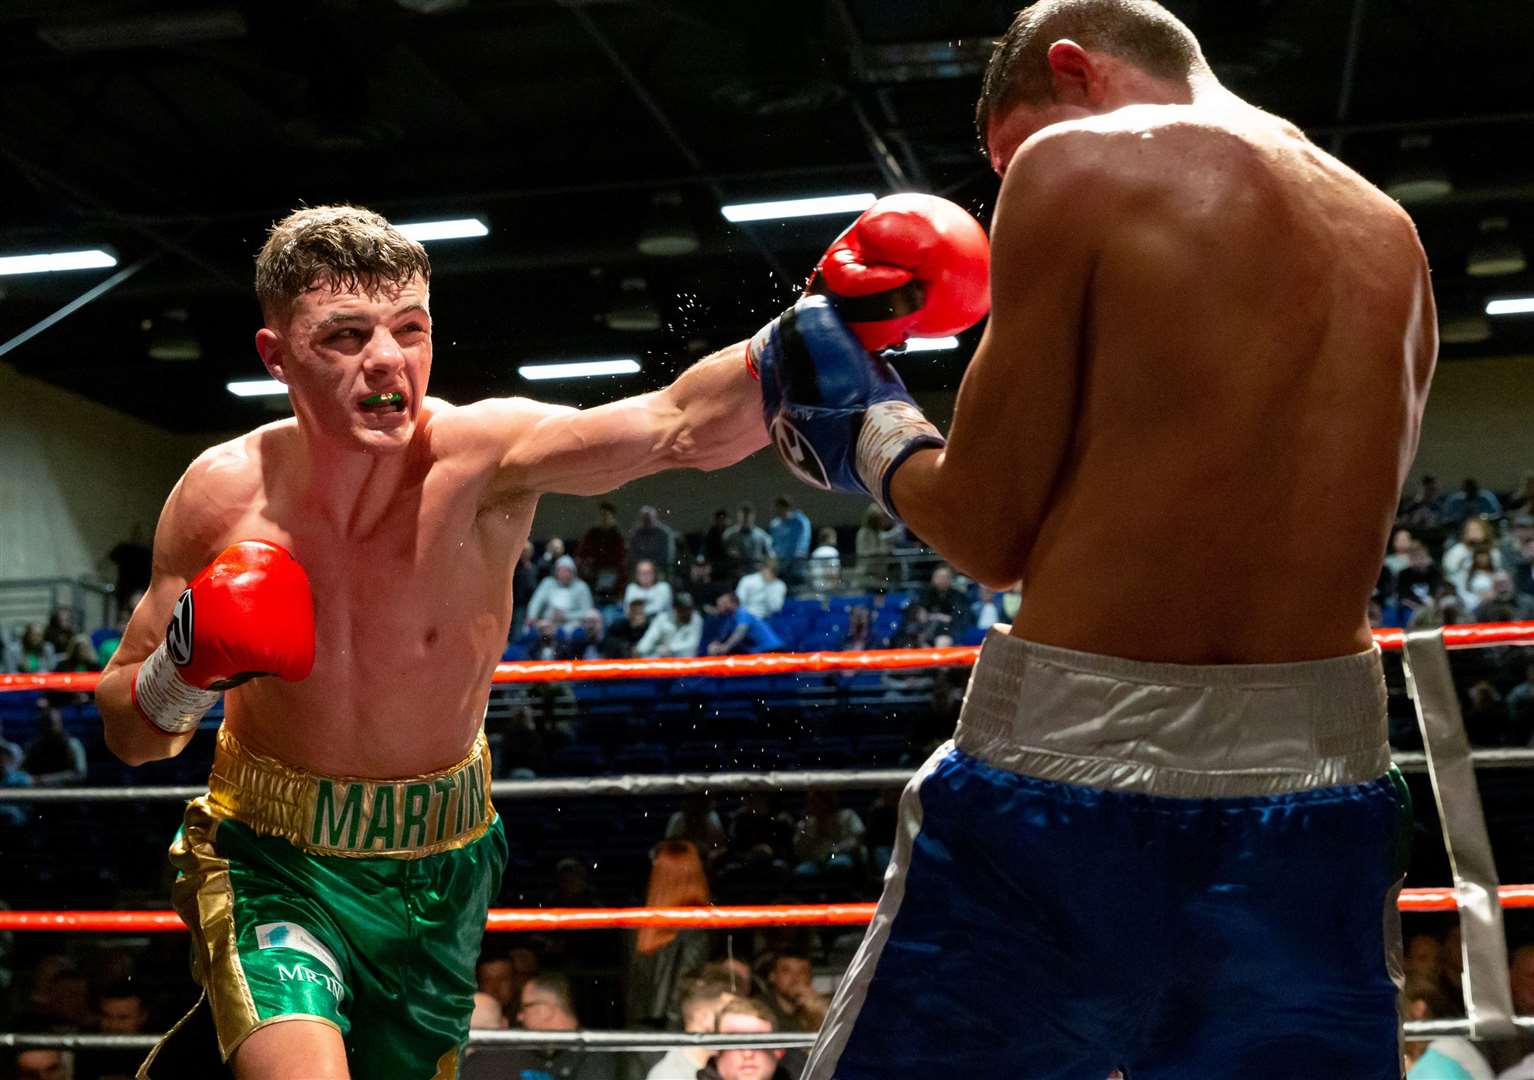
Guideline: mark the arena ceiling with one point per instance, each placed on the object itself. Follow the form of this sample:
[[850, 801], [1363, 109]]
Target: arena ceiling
[[176, 133]]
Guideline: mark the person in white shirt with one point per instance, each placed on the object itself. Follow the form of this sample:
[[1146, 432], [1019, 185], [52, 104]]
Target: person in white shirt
[[677, 632], [564, 591], [762, 593], [825, 572], [656, 594], [701, 999]]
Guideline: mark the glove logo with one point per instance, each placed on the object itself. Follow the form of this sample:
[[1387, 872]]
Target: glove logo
[[798, 454], [178, 635]]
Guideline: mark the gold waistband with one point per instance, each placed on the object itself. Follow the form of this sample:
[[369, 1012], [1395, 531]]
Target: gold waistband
[[337, 815]]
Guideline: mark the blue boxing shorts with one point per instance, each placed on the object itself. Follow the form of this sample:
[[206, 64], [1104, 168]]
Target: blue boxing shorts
[[1186, 873]]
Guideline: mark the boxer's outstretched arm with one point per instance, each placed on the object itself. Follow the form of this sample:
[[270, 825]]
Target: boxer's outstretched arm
[[710, 417], [979, 501]]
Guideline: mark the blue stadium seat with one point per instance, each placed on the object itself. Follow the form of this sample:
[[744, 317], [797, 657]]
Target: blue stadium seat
[[642, 758]]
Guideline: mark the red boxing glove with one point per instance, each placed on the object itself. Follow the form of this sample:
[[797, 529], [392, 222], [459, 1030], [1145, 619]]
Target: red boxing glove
[[912, 265], [249, 613]]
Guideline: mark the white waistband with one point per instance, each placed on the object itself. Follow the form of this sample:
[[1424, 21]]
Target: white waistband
[[1174, 729]]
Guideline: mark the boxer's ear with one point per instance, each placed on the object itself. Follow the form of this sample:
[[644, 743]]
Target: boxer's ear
[[271, 347], [1076, 78]]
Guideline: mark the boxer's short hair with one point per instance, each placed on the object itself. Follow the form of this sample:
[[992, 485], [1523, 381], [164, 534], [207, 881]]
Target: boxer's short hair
[[1139, 31], [336, 247]]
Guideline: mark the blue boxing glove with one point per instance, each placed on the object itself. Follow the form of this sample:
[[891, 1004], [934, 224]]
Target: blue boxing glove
[[840, 417]]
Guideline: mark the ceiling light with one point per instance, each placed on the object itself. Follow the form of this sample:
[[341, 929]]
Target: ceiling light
[[796, 208], [1495, 254], [94, 259], [667, 232], [451, 229], [1463, 329], [579, 369], [256, 387], [1419, 175], [632, 309], [931, 344], [1512, 305]]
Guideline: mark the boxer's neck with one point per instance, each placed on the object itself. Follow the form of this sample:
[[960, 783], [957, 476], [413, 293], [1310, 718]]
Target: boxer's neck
[[351, 486]]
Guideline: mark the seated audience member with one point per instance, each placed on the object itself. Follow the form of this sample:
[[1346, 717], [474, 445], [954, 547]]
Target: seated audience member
[[1475, 535], [653, 540], [1423, 956], [740, 1017], [15, 748], [545, 1004], [584, 640], [713, 551], [1400, 552], [1424, 510], [985, 612], [648, 587], [12, 815], [677, 632], [660, 957], [825, 566], [1471, 500], [745, 543], [61, 628], [1504, 603], [55, 758], [860, 631], [1486, 717], [524, 582], [624, 636], [44, 1065], [553, 551], [1518, 554], [30, 654], [875, 549], [487, 1014], [1448, 1058], [705, 584], [120, 1010], [756, 825], [1417, 583], [790, 531], [602, 555], [699, 1000], [544, 639], [1479, 580], [916, 631], [741, 632], [563, 592], [1445, 609], [502, 975], [697, 823], [1522, 500], [762, 592], [791, 994], [78, 655], [829, 838], [946, 606]]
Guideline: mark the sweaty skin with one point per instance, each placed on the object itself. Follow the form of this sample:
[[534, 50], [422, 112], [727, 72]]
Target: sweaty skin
[[409, 524], [1187, 426]]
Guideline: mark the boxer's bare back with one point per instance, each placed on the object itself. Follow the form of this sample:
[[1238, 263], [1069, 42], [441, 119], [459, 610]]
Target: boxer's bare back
[[1200, 390], [408, 517]]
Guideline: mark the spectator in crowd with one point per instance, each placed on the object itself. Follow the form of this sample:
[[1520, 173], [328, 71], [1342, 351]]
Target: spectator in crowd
[[825, 567], [741, 632], [133, 559], [915, 632], [502, 975], [653, 540], [875, 548], [44, 1065], [649, 587], [678, 632], [829, 837], [790, 530], [1417, 584], [602, 556], [55, 758], [663, 955], [61, 628], [624, 636], [1471, 500], [78, 655], [741, 1017], [120, 1010], [1518, 551], [543, 639], [762, 592], [859, 635], [488, 1014], [985, 612], [1424, 510], [586, 639], [1520, 702], [108, 638], [756, 825], [745, 543], [572, 886], [1480, 579], [714, 551], [547, 1004], [1447, 1058], [12, 815], [946, 606], [1503, 602], [524, 582], [30, 654], [1476, 534], [553, 551], [699, 1000], [58, 999], [705, 584], [1486, 717], [1521, 501], [697, 823], [1400, 552], [791, 994], [563, 592], [1446, 608], [7, 744]]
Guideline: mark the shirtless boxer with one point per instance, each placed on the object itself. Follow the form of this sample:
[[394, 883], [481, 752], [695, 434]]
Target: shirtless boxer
[[336, 876], [1167, 835]]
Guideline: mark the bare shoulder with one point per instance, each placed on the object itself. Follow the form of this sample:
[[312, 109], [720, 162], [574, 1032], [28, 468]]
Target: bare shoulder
[[484, 428], [217, 489]]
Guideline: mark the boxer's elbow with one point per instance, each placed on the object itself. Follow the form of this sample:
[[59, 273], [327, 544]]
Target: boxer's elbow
[[125, 732]]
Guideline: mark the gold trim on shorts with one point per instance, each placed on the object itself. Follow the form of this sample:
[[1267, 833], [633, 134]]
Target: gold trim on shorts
[[351, 816]]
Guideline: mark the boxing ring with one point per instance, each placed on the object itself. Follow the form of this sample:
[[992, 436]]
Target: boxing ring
[[1476, 894]]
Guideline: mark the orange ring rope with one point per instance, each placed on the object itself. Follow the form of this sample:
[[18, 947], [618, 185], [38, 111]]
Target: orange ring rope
[[1473, 636], [683, 918]]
